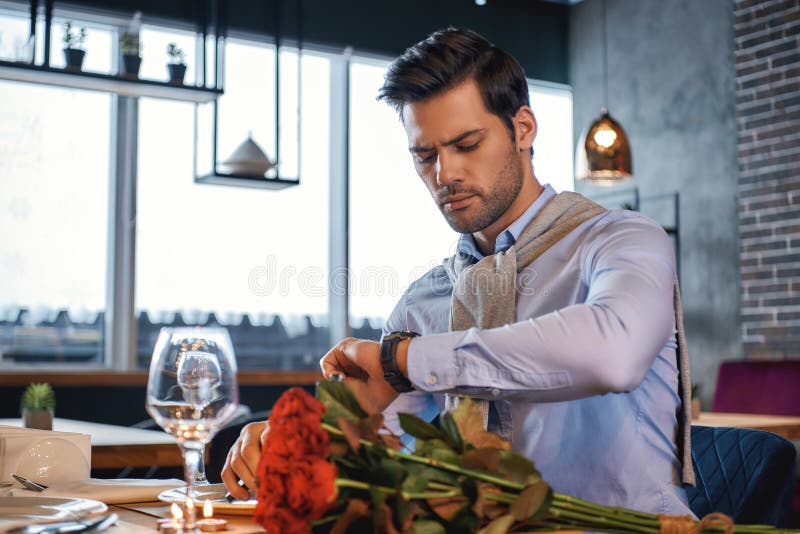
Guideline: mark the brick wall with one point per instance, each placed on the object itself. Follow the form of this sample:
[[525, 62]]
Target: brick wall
[[767, 60]]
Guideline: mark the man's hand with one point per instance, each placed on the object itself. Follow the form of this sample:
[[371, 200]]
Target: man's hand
[[242, 460], [359, 362]]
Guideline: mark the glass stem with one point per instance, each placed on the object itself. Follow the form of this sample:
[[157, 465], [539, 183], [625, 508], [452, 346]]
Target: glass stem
[[200, 477], [192, 454]]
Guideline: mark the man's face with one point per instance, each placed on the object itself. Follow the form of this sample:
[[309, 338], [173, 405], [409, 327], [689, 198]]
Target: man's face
[[465, 156]]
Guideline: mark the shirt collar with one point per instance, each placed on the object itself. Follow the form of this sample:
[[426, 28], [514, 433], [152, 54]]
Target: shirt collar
[[468, 247]]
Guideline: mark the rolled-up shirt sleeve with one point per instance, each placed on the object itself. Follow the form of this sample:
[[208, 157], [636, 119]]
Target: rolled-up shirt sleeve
[[605, 344]]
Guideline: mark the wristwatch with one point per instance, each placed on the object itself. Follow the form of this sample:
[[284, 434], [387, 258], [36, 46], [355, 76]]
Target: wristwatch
[[391, 373]]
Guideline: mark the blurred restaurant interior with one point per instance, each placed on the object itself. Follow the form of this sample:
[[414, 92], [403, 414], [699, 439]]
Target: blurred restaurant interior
[[128, 200]]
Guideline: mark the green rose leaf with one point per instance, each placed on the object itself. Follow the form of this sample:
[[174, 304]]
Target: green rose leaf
[[483, 459], [432, 475], [530, 501], [387, 473], [339, 401], [414, 484], [437, 449], [464, 522], [518, 468], [419, 428], [378, 512], [499, 525], [426, 526], [451, 432]]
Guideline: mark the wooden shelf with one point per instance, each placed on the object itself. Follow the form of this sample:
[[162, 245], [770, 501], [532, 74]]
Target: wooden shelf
[[105, 83], [246, 181]]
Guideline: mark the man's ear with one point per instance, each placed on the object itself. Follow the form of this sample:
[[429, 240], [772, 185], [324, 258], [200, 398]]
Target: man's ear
[[525, 128]]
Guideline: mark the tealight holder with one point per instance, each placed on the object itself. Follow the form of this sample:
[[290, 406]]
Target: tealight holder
[[209, 523]]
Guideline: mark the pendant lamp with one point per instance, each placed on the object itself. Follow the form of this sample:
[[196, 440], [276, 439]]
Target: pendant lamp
[[603, 154]]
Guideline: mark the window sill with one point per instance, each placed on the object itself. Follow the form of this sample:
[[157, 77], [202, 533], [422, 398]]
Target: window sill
[[139, 378]]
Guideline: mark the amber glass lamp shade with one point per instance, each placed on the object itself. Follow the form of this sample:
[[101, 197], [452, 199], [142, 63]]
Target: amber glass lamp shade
[[603, 155]]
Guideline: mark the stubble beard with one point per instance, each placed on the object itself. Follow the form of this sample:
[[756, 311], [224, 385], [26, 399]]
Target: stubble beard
[[493, 203]]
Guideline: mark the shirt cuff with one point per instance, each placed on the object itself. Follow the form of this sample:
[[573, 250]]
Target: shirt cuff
[[432, 363]]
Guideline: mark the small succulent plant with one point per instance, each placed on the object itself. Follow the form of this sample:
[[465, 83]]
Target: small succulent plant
[[176, 54], [129, 44], [74, 37], [39, 397]]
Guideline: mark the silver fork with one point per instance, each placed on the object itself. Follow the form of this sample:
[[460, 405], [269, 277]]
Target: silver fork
[[29, 484]]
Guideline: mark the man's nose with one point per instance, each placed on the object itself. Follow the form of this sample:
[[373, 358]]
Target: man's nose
[[446, 172]]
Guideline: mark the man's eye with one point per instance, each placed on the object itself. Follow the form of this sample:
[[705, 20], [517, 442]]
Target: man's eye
[[422, 160], [468, 148]]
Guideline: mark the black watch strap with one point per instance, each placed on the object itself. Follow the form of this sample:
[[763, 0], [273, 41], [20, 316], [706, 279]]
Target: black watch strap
[[391, 373]]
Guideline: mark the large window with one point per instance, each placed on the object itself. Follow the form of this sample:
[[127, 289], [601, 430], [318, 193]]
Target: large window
[[553, 151], [54, 198], [254, 261]]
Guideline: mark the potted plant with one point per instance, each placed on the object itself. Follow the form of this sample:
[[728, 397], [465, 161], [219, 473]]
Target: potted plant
[[129, 47], [176, 65], [38, 404], [73, 46]]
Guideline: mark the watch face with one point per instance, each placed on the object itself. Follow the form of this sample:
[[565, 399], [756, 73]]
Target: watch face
[[402, 334]]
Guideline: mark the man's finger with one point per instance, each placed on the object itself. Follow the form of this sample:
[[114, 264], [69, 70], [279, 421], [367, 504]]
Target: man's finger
[[230, 479], [329, 368]]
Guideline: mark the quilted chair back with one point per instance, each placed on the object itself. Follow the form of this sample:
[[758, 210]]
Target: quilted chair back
[[746, 474]]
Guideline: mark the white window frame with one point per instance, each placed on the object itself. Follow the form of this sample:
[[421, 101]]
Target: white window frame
[[119, 351]]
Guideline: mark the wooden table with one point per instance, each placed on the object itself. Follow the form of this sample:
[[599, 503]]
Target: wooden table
[[116, 447], [142, 518], [783, 425]]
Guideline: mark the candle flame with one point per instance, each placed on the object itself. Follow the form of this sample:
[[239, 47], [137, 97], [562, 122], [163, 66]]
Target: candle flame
[[189, 504], [177, 513], [208, 510]]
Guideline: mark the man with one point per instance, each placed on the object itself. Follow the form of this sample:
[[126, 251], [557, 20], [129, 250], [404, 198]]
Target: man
[[576, 362]]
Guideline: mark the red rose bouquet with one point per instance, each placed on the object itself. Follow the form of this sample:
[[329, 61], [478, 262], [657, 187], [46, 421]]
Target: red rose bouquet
[[327, 466]]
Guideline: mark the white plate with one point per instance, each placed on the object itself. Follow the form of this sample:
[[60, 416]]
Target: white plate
[[48, 508], [215, 493]]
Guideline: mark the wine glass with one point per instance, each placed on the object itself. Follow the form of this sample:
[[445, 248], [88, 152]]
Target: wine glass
[[192, 392]]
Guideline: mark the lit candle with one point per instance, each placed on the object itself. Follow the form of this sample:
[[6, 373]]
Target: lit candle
[[174, 525], [209, 523]]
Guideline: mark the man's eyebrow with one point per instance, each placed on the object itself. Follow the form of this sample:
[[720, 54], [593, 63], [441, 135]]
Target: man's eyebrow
[[456, 139]]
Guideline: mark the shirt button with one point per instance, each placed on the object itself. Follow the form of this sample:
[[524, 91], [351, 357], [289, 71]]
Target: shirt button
[[432, 380], [495, 392]]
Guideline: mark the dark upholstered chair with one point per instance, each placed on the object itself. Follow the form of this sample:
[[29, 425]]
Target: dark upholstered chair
[[746, 474], [761, 386]]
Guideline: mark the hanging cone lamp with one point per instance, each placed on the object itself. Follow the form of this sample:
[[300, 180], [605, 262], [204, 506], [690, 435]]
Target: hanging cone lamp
[[603, 154]]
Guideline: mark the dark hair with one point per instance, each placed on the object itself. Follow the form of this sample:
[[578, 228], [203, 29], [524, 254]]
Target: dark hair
[[448, 57]]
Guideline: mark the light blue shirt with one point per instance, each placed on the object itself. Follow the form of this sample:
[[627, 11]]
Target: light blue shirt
[[589, 367]]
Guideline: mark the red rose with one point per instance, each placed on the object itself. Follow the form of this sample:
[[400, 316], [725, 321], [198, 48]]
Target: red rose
[[273, 463], [292, 438], [296, 483], [298, 402], [311, 488]]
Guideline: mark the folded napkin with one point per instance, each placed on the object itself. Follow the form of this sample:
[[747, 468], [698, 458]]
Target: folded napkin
[[109, 491], [45, 456]]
